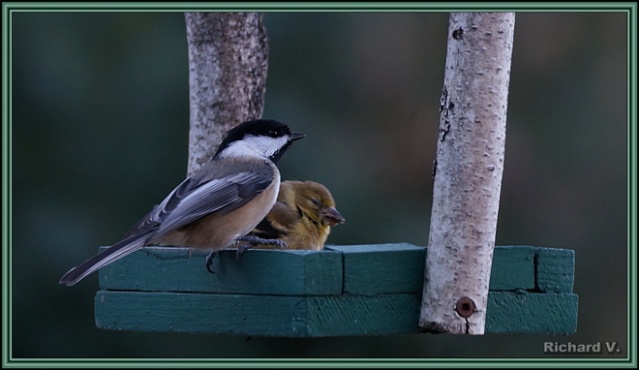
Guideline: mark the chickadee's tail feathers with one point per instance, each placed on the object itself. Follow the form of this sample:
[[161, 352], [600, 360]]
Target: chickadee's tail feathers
[[114, 253]]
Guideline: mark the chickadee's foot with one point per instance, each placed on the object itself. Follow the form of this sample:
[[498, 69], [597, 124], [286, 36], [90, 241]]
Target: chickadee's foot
[[279, 244], [256, 240], [241, 249], [209, 261], [253, 240]]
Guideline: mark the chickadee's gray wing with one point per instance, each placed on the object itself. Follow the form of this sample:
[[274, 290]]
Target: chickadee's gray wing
[[145, 223], [217, 187]]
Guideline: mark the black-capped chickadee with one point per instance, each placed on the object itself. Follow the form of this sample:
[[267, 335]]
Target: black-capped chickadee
[[302, 217], [216, 206]]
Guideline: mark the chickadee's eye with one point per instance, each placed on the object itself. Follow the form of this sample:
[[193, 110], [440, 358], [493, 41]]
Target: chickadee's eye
[[272, 134]]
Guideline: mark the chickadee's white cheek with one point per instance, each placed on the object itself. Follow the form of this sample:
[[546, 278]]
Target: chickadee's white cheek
[[256, 146], [266, 144]]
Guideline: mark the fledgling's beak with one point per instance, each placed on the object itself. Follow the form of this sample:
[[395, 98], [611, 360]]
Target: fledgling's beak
[[332, 217], [296, 136]]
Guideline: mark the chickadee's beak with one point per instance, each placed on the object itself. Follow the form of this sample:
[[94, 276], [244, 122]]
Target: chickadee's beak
[[332, 217], [296, 136]]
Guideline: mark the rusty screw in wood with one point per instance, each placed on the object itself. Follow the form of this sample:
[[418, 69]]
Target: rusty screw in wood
[[465, 307]]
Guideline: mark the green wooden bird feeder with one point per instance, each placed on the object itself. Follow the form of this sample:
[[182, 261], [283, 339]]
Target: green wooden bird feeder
[[340, 291]]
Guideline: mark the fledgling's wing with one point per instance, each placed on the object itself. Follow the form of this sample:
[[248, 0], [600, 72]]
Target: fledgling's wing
[[278, 223]]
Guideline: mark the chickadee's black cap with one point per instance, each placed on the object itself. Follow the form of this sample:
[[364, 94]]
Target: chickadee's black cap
[[258, 127]]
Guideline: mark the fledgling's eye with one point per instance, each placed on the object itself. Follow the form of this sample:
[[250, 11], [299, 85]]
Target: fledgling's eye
[[315, 201]]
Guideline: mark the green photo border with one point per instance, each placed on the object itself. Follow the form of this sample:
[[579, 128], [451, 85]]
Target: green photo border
[[630, 8]]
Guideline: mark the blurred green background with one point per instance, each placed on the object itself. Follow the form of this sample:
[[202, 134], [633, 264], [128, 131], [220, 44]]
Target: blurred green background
[[100, 134]]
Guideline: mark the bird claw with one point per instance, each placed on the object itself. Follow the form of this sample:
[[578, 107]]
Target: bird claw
[[279, 244], [240, 250], [253, 240], [209, 261]]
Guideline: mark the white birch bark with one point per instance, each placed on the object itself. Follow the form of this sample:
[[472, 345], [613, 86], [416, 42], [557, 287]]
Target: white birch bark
[[228, 60], [468, 172]]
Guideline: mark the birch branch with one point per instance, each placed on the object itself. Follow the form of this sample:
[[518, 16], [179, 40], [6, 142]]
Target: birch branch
[[228, 60], [468, 172]]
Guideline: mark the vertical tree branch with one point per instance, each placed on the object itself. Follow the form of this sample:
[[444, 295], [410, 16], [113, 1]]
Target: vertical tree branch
[[228, 60], [468, 172]]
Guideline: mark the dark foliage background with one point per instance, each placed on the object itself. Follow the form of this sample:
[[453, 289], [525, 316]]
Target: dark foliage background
[[100, 132]]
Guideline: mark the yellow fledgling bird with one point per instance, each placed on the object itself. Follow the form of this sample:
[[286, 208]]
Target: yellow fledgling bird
[[302, 217]]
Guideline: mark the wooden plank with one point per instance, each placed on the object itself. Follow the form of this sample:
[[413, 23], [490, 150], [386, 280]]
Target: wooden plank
[[348, 315], [201, 313], [399, 268], [513, 268], [362, 269], [550, 313], [555, 270], [382, 268], [318, 316], [279, 316], [258, 272]]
